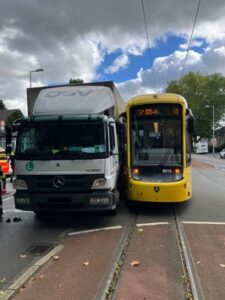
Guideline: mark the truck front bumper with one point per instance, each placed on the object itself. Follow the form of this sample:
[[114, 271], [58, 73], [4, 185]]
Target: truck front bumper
[[95, 201]]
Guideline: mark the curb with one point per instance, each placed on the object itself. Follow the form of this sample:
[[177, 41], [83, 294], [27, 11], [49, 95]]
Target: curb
[[11, 290]]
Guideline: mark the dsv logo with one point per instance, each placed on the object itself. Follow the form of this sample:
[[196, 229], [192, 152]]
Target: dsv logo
[[69, 93]]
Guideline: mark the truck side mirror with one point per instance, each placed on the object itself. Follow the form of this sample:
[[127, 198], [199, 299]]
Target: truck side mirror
[[112, 139], [190, 121], [8, 136], [119, 128], [190, 124]]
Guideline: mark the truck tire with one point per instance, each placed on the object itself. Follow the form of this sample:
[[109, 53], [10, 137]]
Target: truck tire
[[116, 209], [41, 214]]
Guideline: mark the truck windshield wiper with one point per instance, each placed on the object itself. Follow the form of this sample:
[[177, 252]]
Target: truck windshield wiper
[[87, 155], [31, 151]]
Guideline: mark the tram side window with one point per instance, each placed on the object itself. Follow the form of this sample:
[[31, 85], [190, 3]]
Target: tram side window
[[188, 151]]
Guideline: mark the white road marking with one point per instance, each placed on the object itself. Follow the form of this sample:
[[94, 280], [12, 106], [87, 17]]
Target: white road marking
[[8, 198], [203, 223], [152, 224], [94, 230], [16, 211]]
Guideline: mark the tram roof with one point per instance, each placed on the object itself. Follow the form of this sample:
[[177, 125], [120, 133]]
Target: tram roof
[[157, 98]]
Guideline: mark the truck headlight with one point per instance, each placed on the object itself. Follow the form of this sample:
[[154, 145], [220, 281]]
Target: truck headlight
[[99, 182], [19, 184]]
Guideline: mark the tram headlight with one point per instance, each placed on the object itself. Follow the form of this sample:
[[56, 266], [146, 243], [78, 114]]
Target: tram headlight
[[178, 173], [136, 173]]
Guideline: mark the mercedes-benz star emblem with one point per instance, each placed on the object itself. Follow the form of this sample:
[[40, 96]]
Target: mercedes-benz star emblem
[[58, 182], [156, 189]]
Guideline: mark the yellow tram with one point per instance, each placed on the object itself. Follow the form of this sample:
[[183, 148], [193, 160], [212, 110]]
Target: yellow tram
[[158, 156]]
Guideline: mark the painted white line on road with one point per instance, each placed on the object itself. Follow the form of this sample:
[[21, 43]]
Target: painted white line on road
[[94, 230], [9, 198], [45, 258], [203, 223], [152, 224], [17, 211], [29, 273]]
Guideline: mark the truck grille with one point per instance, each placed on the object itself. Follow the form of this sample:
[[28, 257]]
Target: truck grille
[[71, 183]]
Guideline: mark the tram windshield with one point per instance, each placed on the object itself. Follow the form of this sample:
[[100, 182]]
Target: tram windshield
[[156, 135]]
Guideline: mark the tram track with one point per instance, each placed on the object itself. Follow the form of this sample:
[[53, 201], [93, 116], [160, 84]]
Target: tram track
[[155, 245], [189, 238], [109, 283], [191, 282], [192, 287]]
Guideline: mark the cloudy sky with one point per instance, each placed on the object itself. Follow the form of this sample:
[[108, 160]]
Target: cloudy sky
[[98, 40]]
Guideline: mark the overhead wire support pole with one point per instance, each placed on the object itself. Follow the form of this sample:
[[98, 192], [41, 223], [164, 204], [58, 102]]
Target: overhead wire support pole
[[190, 40], [148, 43]]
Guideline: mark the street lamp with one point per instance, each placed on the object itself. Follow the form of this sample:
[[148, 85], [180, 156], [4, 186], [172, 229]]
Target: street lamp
[[208, 106], [37, 70]]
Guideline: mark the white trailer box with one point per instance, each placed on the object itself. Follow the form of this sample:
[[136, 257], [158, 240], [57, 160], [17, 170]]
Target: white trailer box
[[77, 100]]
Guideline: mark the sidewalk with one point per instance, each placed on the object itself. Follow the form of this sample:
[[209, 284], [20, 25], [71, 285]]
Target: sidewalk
[[75, 272], [205, 155], [82, 269]]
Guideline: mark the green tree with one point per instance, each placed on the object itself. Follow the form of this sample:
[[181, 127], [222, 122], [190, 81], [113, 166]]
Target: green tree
[[13, 116], [200, 91], [2, 105], [74, 81]]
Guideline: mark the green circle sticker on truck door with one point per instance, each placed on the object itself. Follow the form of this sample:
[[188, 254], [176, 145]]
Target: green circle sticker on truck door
[[29, 166]]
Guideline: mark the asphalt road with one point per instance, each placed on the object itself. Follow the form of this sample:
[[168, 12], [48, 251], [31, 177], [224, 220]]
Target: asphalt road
[[17, 239], [26, 239]]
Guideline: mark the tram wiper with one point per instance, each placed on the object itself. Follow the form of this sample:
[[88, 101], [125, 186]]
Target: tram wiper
[[165, 157]]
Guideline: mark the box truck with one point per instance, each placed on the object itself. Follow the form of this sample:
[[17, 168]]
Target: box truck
[[67, 151], [202, 146]]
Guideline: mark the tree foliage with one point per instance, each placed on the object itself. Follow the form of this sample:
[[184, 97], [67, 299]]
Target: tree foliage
[[16, 114], [2, 105], [74, 81], [13, 116], [201, 91]]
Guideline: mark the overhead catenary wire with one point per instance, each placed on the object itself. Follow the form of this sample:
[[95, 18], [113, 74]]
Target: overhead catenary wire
[[148, 43], [190, 40]]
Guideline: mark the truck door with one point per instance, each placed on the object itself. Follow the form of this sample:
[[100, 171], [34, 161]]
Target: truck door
[[113, 158]]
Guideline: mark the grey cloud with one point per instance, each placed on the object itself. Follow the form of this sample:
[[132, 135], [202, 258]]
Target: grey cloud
[[69, 38], [46, 23]]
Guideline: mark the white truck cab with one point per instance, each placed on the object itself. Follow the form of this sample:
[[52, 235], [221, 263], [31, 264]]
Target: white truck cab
[[67, 156]]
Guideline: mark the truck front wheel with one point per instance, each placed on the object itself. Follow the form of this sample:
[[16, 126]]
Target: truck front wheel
[[117, 202], [41, 214]]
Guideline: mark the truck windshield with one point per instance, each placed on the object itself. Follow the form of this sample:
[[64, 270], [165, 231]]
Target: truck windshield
[[156, 135], [75, 140]]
